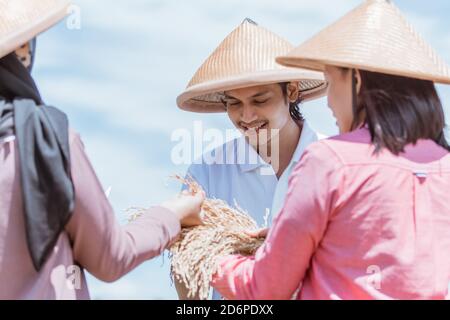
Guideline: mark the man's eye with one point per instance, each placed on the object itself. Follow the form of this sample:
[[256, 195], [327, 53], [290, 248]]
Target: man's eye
[[261, 101], [232, 103]]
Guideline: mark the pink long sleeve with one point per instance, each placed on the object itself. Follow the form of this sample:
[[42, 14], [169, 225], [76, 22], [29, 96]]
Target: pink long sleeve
[[102, 246], [279, 266]]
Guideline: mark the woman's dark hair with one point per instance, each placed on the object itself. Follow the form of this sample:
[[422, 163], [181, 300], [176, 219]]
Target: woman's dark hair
[[398, 110], [294, 107]]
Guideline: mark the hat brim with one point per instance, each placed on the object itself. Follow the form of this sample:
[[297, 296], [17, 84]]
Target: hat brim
[[320, 65], [193, 99], [24, 33]]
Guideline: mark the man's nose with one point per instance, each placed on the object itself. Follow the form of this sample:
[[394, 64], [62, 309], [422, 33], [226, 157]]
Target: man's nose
[[248, 114]]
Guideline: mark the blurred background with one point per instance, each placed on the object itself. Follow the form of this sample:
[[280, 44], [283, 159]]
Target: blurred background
[[117, 77]]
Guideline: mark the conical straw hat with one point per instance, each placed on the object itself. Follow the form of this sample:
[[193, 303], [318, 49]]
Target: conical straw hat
[[245, 58], [22, 20], [373, 37]]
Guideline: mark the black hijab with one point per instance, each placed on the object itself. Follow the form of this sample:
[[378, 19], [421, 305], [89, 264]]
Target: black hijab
[[43, 149]]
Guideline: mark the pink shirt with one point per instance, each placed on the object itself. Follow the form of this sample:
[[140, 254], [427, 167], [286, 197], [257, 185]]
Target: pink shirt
[[354, 226], [93, 239]]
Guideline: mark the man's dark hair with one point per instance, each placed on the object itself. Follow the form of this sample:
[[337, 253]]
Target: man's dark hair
[[294, 107]]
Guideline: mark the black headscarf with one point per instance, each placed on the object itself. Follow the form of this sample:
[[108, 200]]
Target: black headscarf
[[43, 148]]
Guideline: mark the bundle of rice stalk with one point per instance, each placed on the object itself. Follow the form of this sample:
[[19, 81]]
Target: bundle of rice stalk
[[195, 253]]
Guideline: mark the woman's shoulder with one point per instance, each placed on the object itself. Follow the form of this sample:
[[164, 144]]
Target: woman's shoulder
[[76, 144], [342, 149], [75, 137]]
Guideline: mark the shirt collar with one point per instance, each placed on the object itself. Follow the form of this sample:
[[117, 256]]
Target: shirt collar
[[307, 136], [245, 151]]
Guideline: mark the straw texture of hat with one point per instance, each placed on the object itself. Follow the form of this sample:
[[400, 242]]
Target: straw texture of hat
[[373, 37], [22, 20], [245, 58]]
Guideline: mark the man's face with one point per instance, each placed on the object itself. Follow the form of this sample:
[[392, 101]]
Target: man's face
[[258, 112]]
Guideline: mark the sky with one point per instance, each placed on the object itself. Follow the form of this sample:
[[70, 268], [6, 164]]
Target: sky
[[118, 75]]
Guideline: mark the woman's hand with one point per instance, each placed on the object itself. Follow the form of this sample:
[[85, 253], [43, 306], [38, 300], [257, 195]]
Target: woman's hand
[[261, 233], [187, 207]]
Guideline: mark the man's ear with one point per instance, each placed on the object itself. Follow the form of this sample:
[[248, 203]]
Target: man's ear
[[358, 81], [292, 91]]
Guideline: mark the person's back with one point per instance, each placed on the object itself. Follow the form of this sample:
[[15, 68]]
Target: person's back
[[18, 276], [387, 235]]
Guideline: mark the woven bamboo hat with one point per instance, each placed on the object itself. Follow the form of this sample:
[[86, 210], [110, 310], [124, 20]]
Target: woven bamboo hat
[[22, 20], [373, 37], [245, 58]]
